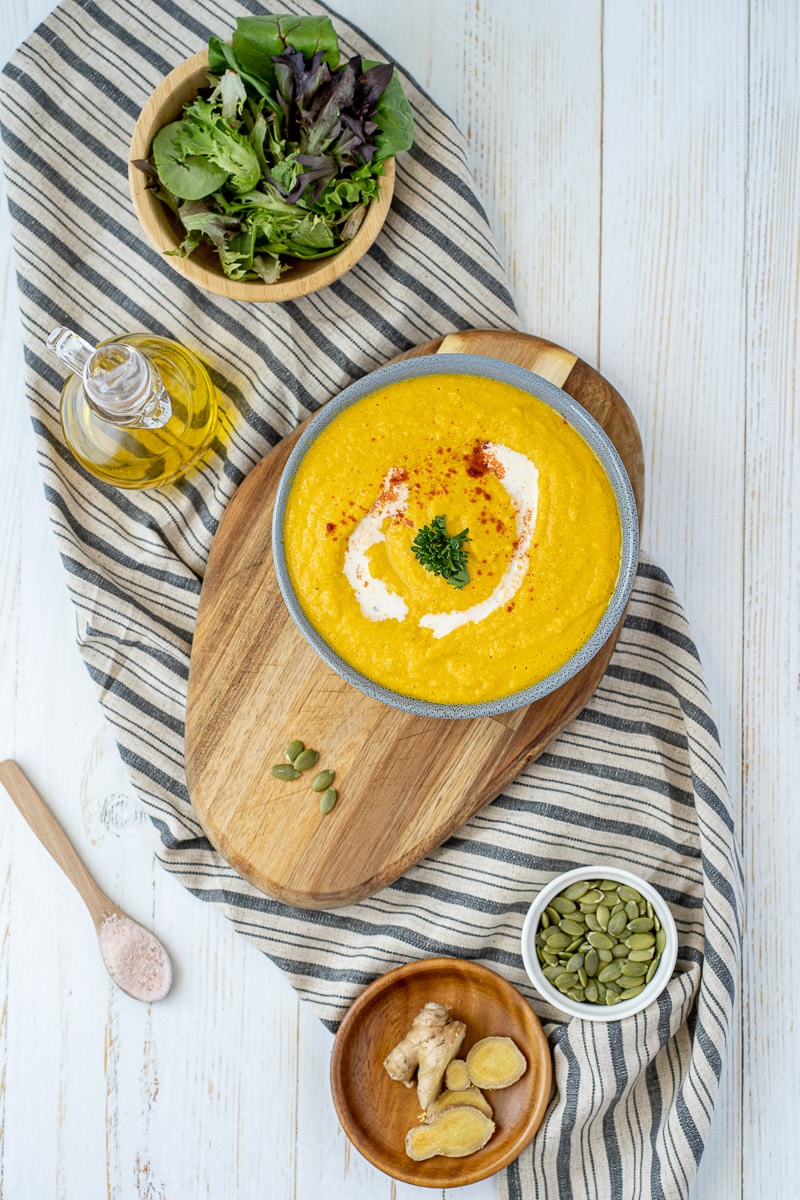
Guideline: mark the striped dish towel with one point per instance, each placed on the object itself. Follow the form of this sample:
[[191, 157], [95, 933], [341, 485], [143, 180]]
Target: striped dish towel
[[635, 780]]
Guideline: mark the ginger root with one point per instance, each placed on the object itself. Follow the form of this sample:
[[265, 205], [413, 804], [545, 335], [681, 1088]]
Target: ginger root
[[453, 1132], [430, 1044], [456, 1077], [496, 1062], [470, 1096]]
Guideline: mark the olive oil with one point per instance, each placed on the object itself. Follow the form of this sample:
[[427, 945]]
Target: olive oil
[[139, 411]]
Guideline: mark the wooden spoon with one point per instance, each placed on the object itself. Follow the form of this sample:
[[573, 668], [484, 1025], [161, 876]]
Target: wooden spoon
[[134, 958]]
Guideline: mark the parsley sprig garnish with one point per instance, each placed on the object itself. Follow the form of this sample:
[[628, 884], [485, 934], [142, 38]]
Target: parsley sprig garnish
[[442, 554]]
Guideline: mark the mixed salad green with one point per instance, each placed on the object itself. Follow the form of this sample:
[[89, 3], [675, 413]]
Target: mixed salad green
[[282, 156]]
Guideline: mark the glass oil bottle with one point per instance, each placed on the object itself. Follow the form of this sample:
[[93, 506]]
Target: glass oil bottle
[[138, 410]]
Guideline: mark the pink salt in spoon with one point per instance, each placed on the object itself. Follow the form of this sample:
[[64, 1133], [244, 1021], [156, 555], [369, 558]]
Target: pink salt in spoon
[[134, 958]]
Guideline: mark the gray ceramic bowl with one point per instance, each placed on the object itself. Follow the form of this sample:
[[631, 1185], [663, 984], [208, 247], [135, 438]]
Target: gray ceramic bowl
[[576, 415]]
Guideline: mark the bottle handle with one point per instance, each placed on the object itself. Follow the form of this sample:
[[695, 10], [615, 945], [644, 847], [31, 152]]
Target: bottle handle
[[120, 383], [71, 349]]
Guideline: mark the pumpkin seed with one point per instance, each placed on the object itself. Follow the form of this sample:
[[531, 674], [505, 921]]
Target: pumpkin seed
[[544, 920], [575, 963], [661, 941], [608, 885], [611, 971], [583, 977], [594, 896], [305, 759], [576, 994], [641, 955], [651, 970], [600, 940], [603, 915], [576, 890], [575, 944], [556, 940], [640, 941], [590, 992], [327, 800], [606, 956], [551, 972], [641, 925], [323, 781], [620, 950], [612, 997], [614, 986], [563, 905], [553, 914], [629, 993], [591, 962], [293, 749], [565, 980], [592, 922], [634, 970], [628, 893], [570, 926], [550, 958], [616, 923], [285, 771], [632, 909]]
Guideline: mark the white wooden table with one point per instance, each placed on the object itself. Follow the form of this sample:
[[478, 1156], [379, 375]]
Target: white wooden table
[[638, 161]]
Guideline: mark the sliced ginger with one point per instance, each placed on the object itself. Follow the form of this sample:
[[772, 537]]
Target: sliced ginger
[[496, 1062], [457, 1121], [456, 1077], [430, 1044], [454, 1132], [470, 1096]]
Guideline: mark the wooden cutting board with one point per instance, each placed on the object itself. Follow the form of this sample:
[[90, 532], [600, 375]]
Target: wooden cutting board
[[406, 783]]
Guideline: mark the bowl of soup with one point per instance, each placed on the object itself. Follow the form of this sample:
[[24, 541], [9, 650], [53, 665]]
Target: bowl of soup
[[455, 536]]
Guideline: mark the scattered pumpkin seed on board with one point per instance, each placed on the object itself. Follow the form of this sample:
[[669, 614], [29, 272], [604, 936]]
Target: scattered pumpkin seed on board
[[299, 759], [305, 760], [599, 942], [322, 781], [285, 771], [327, 800]]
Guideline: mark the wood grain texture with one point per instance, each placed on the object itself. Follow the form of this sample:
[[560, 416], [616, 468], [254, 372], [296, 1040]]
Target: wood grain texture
[[377, 1111], [202, 267], [406, 783], [770, 762]]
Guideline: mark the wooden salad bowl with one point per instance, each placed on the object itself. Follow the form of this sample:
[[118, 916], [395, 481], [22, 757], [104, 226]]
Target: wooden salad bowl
[[376, 1112], [202, 267]]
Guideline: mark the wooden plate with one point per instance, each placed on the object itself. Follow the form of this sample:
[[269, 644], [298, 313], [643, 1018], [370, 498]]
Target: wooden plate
[[376, 1112], [406, 783]]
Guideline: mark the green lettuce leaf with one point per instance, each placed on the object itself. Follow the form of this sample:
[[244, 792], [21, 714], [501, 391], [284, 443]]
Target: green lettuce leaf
[[205, 132], [394, 119], [188, 176], [258, 39]]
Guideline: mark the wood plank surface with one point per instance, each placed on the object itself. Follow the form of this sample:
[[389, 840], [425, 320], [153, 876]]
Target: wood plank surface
[[255, 683], [642, 184]]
